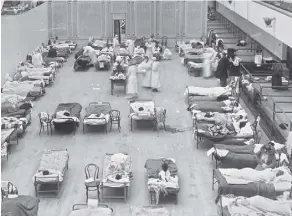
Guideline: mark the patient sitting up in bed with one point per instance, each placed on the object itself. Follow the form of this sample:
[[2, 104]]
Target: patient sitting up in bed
[[164, 174], [266, 157]]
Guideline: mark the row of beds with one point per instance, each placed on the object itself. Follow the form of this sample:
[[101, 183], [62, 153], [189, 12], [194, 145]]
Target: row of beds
[[17, 95], [99, 114], [57, 163], [194, 58], [232, 152]]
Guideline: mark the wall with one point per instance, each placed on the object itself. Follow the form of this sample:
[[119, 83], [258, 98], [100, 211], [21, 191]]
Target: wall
[[79, 20], [264, 38], [20, 35]]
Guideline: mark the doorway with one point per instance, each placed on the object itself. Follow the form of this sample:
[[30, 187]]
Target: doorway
[[120, 29]]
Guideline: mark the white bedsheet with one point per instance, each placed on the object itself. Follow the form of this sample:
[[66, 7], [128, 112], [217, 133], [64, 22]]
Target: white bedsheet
[[209, 92], [251, 206], [53, 176], [246, 175], [96, 120]]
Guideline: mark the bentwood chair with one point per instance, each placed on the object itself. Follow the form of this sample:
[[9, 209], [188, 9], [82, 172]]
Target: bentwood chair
[[92, 182]]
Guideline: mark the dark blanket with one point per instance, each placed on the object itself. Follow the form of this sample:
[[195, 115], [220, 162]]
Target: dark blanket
[[73, 108], [153, 167], [251, 189], [20, 206], [239, 161], [98, 109]]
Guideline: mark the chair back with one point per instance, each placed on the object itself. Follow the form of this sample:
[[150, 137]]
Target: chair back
[[115, 114], [43, 117], [91, 171]]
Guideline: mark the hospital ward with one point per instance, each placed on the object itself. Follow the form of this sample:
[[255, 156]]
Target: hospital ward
[[146, 108]]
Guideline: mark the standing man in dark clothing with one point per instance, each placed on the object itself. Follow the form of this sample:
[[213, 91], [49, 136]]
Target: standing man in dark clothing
[[222, 70]]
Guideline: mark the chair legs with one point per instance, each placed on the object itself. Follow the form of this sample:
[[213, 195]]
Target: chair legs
[[48, 127], [98, 193]]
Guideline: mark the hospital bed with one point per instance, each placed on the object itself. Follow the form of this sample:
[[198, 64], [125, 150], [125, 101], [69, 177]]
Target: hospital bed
[[67, 122], [257, 205], [97, 114], [145, 110], [85, 210], [149, 211], [192, 93], [218, 133], [234, 156], [16, 106], [240, 187], [20, 205], [51, 172], [22, 89], [155, 186], [109, 174]]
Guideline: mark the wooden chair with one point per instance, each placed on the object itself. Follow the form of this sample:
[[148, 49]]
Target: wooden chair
[[45, 122], [115, 118], [91, 174]]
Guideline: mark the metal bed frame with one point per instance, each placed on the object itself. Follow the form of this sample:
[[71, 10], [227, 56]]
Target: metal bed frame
[[106, 123], [57, 182], [200, 137], [125, 187], [154, 119], [233, 92]]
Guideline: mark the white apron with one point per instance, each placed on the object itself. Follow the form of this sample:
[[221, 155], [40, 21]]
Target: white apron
[[155, 80]]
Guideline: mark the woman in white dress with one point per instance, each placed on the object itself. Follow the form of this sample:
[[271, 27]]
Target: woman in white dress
[[146, 65], [131, 47], [90, 52], [132, 82], [116, 45], [155, 80], [209, 57], [149, 51]]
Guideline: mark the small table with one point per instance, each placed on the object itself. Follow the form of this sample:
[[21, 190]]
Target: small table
[[118, 82]]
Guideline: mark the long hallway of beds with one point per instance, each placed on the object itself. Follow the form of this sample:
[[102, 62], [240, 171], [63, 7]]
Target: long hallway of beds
[[194, 167]]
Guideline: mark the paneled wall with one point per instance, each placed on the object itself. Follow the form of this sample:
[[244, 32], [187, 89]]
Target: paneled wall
[[81, 19], [20, 35]]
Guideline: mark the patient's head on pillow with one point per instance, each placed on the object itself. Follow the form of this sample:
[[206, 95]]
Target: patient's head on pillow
[[118, 177], [279, 173], [46, 172], [66, 113], [141, 109]]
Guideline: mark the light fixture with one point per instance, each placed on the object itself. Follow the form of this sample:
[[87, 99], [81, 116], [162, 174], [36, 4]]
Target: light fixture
[[268, 21]]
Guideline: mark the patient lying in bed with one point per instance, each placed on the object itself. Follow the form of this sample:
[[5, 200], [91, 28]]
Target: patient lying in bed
[[48, 176], [280, 177], [257, 205], [63, 116]]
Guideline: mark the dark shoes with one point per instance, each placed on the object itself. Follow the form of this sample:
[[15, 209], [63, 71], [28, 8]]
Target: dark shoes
[[154, 90]]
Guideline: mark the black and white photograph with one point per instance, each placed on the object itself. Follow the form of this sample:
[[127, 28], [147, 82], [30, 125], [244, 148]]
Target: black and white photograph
[[146, 108]]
